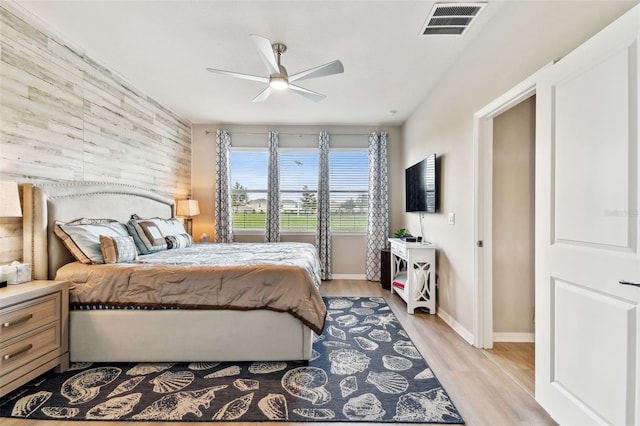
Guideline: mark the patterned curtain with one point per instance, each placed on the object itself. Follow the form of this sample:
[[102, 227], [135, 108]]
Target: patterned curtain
[[323, 226], [224, 219], [272, 231], [378, 221]]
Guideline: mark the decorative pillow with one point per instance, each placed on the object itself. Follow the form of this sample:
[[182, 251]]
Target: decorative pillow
[[178, 241], [171, 226], [82, 237], [149, 234], [118, 249]]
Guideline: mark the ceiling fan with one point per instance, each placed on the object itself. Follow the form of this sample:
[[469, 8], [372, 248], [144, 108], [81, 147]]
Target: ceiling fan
[[278, 78]]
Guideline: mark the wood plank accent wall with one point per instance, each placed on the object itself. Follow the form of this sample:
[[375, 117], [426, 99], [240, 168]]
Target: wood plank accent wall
[[66, 117]]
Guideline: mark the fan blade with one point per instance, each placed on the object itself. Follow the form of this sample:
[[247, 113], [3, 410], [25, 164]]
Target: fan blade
[[240, 75], [314, 96], [265, 50], [331, 68], [263, 95]]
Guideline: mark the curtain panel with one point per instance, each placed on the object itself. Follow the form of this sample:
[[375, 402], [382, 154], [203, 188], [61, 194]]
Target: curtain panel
[[223, 215], [323, 223], [378, 220], [272, 226]]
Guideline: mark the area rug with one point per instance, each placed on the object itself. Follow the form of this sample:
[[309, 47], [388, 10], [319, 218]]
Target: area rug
[[364, 368]]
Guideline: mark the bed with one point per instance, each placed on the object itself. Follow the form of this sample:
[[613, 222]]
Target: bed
[[193, 333]]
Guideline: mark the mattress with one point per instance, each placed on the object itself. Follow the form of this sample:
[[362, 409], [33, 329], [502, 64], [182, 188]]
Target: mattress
[[283, 277]]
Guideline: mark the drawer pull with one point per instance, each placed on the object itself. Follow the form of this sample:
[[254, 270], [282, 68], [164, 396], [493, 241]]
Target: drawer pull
[[18, 352], [18, 321]]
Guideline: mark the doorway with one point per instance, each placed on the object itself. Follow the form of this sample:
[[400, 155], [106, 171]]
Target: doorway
[[513, 225], [521, 96], [512, 243]]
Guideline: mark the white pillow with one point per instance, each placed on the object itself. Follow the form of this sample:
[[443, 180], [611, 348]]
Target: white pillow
[[82, 237]]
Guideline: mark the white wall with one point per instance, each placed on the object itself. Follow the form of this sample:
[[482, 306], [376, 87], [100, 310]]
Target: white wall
[[348, 251], [443, 123], [67, 117]]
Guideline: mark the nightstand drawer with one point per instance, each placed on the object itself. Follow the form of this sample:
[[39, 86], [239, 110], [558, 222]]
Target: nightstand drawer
[[28, 316], [33, 331], [30, 347], [399, 250]]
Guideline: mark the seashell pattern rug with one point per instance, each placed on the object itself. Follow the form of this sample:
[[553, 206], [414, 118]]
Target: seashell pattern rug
[[364, 368]]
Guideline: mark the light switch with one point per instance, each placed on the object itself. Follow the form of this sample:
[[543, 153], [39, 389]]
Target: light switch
[[452, 218]]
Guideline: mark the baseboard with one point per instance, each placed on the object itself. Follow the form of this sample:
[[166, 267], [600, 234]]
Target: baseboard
[[456, 326], [348, 277], [514, 337]]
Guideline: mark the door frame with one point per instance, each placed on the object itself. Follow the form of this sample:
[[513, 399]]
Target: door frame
[[482, 206]]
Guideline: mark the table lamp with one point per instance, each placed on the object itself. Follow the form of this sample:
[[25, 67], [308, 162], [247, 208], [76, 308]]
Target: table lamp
[[188, 209], [9, 200], [9, 207]]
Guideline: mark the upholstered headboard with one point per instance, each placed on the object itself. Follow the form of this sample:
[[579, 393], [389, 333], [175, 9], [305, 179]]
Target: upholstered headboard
[[46, 203]]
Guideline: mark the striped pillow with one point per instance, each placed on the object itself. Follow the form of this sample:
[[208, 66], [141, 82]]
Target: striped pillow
[[178, 241], [118, 249]]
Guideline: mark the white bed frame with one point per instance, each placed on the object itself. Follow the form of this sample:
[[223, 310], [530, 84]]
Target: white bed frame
[[147, 336]]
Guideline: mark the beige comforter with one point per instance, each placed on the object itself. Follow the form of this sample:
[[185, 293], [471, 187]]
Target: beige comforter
[[283, 277]]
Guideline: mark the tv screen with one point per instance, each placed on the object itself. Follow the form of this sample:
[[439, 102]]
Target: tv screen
[[421, 186]]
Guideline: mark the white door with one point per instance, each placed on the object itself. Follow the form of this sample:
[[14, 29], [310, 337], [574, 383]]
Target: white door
[[588, 231]]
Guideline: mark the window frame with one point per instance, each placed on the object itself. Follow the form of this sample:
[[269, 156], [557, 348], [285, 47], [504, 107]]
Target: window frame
[[364, 150], [305, 232], [249, 231], [281, 150]]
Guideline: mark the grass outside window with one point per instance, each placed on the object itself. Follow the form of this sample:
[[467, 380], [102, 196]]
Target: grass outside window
[[340, 221]]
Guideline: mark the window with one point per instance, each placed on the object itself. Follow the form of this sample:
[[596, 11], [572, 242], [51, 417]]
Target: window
[[298, 190], [349, 189], [348, 181], [249, 189]]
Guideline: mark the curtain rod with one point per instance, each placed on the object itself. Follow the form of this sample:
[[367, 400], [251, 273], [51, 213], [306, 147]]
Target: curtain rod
[[207, 132]]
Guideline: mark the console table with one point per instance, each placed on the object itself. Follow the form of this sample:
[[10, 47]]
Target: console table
[[413, 274]]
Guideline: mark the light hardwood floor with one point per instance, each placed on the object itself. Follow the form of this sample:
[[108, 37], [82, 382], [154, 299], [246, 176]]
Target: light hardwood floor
[[481, 390], [517, 360]]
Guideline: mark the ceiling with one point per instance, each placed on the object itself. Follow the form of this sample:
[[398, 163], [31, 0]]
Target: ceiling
[[163, 48]]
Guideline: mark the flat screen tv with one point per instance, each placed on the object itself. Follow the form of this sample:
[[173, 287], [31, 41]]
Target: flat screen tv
[[421, 186]]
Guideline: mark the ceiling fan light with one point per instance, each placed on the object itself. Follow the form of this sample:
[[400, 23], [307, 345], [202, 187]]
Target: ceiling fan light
[[278, 83]]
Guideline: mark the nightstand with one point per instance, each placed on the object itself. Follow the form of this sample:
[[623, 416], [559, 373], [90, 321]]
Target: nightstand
[[33, 331]]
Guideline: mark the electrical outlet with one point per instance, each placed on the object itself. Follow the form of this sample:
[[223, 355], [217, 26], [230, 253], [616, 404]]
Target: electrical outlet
[[452, 219]]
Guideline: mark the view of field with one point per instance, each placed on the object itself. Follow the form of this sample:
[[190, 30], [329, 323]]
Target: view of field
[[340, 221]]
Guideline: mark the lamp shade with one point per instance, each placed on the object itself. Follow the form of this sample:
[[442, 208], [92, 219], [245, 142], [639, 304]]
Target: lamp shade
[[9, 200], [188, 208]]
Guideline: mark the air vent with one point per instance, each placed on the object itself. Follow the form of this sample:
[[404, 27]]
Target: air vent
[[451, 18]]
